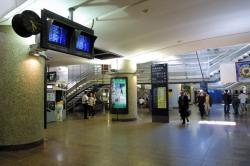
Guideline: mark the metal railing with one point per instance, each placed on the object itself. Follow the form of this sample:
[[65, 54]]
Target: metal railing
[[215, 63]]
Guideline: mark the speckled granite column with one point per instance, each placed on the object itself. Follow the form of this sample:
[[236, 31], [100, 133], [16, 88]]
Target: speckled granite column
[[127, 68], [21, 91]]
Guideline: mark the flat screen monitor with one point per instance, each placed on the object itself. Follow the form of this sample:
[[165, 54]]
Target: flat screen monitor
[[51, 76], [119, 95], [84, 43], [63, 35], [58, 34]]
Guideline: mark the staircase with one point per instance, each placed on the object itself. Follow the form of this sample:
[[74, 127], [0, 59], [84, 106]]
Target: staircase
[[87, 82]]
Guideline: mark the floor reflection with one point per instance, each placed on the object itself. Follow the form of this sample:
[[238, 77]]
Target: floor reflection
[[97, 141]]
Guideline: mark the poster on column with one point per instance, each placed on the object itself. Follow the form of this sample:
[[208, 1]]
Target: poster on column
[[119, 95], [243, 71], [161, 97]]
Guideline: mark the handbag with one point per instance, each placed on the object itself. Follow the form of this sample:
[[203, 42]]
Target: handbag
[[188, 113]]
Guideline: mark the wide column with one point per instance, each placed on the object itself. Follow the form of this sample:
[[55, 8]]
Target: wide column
[[125, 69], [21, 93]]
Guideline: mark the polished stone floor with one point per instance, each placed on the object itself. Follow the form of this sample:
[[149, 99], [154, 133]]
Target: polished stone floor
[[100, 142]]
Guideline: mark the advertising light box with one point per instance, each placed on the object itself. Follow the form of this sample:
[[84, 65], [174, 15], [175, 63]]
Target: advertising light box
[[119, 95], [243, 71]]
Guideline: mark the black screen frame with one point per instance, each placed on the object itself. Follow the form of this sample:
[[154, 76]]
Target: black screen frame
[[48, 18]]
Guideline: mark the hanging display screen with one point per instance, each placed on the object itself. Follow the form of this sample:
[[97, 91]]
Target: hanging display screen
[[58, 35], [63, 35], [119, 95], [84, 43]]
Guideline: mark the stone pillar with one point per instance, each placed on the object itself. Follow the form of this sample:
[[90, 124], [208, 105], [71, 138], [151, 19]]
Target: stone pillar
[[126, 68], [21, 93]]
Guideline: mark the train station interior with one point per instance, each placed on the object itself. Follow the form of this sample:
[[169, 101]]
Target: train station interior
[[133, 83]]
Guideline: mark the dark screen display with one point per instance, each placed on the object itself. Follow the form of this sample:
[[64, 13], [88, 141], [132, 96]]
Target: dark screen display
[[83, 43], [58, 35]]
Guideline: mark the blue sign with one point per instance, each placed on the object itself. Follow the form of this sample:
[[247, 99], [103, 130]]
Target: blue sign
[[159, 73]]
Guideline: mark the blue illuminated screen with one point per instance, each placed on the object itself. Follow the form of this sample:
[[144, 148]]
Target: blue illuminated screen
[[58, 35], [84, 43]]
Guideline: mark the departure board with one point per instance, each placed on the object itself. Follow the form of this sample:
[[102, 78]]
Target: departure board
[[58, 35], [84, 43], [159, 73]]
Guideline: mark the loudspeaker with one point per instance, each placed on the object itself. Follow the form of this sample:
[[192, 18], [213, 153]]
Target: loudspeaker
[[27, 23]]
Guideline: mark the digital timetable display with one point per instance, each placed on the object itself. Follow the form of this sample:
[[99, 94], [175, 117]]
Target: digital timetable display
[[58, 35], [84, 43], [63, 35]]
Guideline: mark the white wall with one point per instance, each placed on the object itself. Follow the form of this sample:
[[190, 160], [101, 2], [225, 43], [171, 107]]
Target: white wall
[[61, 72], [228, 72], [8, 5], [173, 99]]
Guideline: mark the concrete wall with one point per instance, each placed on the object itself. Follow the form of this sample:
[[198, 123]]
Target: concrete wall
[[21, 91]]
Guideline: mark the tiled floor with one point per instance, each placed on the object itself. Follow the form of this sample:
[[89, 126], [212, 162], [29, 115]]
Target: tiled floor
[[99, 142]]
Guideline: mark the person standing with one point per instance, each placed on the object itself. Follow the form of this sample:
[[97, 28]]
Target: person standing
[[141, 102], [243, 98], [59, 110], [91, 103], [85, 105], [201, 102], [236, 102], [227, 101], [183, 107]]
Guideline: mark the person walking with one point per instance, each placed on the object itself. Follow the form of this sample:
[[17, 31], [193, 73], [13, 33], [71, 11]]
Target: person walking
[[227, 101], [208, 103], [201, 103], [243, 98], [183, 107], [236, 102], [85, 99]]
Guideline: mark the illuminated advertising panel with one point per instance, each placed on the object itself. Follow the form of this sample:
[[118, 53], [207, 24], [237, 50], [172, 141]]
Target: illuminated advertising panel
[[119, 95], [243, 71]]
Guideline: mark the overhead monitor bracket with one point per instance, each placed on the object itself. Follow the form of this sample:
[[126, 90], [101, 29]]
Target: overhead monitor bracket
[[71, 15]]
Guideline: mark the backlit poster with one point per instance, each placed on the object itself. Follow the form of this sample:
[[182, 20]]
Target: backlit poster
[[119, 94], [161, 97], [243, 71]]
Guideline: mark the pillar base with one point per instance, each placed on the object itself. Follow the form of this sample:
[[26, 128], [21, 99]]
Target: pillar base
[[124, 120], [21, 146], [161, 119]]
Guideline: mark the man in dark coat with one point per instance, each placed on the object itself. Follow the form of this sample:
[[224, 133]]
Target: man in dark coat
[[227, 101], [201, 103], [183, 106]]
